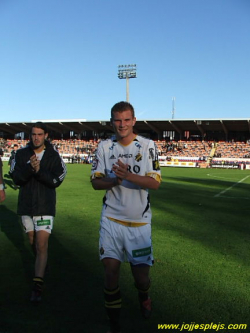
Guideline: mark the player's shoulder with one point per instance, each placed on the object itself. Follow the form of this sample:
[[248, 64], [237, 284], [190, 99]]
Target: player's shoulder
[[107, 142], [50, 148], [23, 150], [144, 141]]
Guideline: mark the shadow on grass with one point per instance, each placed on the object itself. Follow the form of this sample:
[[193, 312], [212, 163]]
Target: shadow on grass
[[11, 227], [72, 297], [8, 181], [13, 248], [73, 291]]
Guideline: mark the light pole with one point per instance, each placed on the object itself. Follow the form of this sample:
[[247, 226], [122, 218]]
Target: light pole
[[173, 107], [127, 72]]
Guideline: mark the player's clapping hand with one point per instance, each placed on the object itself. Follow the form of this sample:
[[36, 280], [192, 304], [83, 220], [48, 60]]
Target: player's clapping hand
[[120, 169], [35, 163]]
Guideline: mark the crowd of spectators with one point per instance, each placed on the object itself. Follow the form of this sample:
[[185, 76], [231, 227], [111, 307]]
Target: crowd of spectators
[[235, 149], [78, 151], [204, 149], [82, 151], [184, 148]]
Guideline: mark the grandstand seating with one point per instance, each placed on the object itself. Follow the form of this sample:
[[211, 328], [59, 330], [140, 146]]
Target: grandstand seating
[[182, 150], [202, 149], [233, 149], [64, 146], [199, 150]]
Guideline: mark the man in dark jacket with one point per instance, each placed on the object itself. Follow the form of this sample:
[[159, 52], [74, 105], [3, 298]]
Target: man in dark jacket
[[2, 192], [12, 154], [38, 169], [12, 157]]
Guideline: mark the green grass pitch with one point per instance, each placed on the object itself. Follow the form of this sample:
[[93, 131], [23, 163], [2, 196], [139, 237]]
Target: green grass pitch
[[201, 239]]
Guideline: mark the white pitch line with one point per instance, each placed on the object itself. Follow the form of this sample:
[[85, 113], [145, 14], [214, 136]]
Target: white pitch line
[[215, 176], [242, 198], [229, 188]]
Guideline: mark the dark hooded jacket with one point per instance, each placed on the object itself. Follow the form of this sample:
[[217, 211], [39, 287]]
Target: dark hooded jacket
[[37, 194]]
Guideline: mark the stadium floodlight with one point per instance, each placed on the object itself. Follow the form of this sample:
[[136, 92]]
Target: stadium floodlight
[[127, 72]]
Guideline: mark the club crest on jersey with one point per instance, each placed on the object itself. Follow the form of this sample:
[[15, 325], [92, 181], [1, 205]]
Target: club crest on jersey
[[138, 157]]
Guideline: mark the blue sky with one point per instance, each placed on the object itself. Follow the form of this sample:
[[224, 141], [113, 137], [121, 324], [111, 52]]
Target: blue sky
[[59, 58]]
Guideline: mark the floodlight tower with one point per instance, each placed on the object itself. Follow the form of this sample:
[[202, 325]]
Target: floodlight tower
[[127, 72], [173, 107]]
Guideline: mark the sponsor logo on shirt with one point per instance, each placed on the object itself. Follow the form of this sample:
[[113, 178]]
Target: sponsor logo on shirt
[[156, 165], [94, 165], [125, 155], [112, 147], [137, 144], [151, 153]]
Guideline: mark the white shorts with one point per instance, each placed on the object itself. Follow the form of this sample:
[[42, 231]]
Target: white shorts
[[132, 244], [37, 223]]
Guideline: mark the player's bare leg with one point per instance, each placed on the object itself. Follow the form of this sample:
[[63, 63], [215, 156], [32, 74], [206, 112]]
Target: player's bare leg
[[31, 237], [142, 283], [42, 240]]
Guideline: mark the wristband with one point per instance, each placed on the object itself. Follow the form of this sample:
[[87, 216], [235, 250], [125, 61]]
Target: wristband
[[1, 187]]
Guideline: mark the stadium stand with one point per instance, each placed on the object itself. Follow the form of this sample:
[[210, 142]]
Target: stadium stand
[[200, 152], [202, 143]]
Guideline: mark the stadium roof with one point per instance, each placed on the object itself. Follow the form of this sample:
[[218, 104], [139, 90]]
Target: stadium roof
[[158, 126]]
